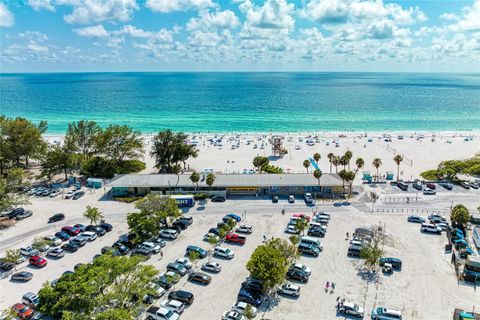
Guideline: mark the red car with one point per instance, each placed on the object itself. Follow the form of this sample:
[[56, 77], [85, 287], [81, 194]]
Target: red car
[[22, 311], [38, 261], [71, 230], [235, 238], [431, 186], [302, 215]]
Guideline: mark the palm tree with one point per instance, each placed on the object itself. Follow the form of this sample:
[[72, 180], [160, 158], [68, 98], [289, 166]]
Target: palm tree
[[360, 163], [330, 157], [176, 169], [195, 177], [349, 177], [317, 174], [398, 159], [344, 162], [210, 179], [377, 162], [343, 175], [306, 164], [348, 156], [317, 157], [336, 162]]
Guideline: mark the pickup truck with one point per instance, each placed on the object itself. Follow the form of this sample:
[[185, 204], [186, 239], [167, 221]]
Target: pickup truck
[[235, 238], [156, 313]]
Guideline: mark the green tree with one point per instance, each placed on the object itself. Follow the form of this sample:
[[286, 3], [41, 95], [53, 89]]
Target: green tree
[[460, 215], [343, 176], [83, 137], [348, 156], [210, 179], [194, 256], [12, 255], [195, 177], [248, 313], [169, 148], [336, 162], [56, 160], [11, 186], [306, 164], [40, 242], [259, 162], [373, 250], [301, 225], [93, 214], [349, 177], [398, 159], [360, 164], [176, 170], [119, 143], [317, 174], [330, 157], [377, 162], [317, 157]]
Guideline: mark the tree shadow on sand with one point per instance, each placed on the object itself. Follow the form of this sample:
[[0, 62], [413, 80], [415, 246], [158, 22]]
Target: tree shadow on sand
[[370, 276]]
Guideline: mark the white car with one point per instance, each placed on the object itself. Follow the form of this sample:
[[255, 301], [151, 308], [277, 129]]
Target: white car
[[291, 229], [209, 236], [150, 246], [289, 290], [174, 305], [212, 267], [245, 228], [233, 315], [350, 308], [55, 193], [308, 198], [69, 194], [301, 267], [28, 251], [427, 227], [184, 262], [161, 314], [240, 307], [53, 241], [223, 252], [88, 235], [169, 233]]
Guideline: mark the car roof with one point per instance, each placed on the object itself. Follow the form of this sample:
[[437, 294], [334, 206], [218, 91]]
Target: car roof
[[175, 303], [29, 295]]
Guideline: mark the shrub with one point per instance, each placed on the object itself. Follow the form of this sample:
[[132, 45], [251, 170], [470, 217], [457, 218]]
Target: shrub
[[104, 168], [430, 175], [200, 196], [127, 199]]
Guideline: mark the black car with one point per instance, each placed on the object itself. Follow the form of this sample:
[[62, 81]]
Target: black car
[[6, 266], [416, 219], [107, 226], [22, 276], [200, 277], [142, 252], [446, 185], [14, 213], [187, 219], [70, 247], [274, 199], [77, 195], [24, 215], [253, 285], [250, 297], [98, 230], [56, 217], [80, 226], [182, 296], [418, 186], [316, 232], [215, 231], [218, 199], [164, 282], [395, 262], [181, 223], [123, 249], [294, 274], [79, 242]]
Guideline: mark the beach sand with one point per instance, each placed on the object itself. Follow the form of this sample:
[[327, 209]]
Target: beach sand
[[421, 151]]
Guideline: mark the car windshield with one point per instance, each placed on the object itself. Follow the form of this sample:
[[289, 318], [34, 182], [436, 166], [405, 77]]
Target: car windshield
[[169, 314]]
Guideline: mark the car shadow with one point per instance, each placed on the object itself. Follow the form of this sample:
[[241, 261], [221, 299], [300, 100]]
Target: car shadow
[[345, 316]]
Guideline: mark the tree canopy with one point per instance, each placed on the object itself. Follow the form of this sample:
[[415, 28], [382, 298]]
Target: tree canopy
[[11, 185], [93, 214], [460, 215], [169, 149]]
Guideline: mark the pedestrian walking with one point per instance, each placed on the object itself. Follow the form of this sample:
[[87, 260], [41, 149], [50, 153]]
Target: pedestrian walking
[[333, 288], [327, 286]]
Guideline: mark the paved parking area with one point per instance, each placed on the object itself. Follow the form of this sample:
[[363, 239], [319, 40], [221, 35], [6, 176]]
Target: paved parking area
[[426, 288]]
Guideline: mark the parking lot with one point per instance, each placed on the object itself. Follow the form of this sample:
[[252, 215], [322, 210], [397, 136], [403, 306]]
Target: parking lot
[[426, 288]]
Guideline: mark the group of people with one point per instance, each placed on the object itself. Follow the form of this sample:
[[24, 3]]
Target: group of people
[[330, 286]]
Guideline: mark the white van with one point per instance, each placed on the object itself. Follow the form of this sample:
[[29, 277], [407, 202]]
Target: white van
[[169, 234], [223, 252], [428, 227], [312, 241], [318, 225], [386, 314]]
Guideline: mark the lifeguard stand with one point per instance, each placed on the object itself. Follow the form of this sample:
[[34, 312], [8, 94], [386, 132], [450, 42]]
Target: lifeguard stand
[[278, 149]]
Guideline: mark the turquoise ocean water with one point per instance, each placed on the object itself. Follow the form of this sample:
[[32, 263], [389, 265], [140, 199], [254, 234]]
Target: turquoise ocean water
[[247, 101]]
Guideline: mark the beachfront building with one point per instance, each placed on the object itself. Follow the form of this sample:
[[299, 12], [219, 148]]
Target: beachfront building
[[227, 184]]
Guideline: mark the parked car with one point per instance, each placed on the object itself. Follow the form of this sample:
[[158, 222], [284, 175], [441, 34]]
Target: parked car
[[55, 193], [316, 232], [291, 198], [427, 227], [72, 231], [56, 217], [301, 267], [25, 214], [212, 267], [402, 185], [223, 252], [350, 308], [241, 307], [184, 262], [200, 277], [429, 192], [382, 313], [308, 197], [289, 290], [182, 224], [53, 241], [15, 212], [22, 311], [31, 299], [291, 229], [78, 241], [474, 185], [249, 296], [23, 276], [174, 305], [142, 252], [156, 313], [218, 199], [38, 261], [6, 266], [56, 253], [182, 296], [77, 195], [215, 231], [245, 228], [417, 185], [201, 252], [395, 262], [298, 275], [308, 249], [233, 315], [159, 241], [431, 186], [207, 237], [274, 198], [465, 185], [70, 247], [169, 233], [235, 238], [28, 251], [415, 219], [152, 247], [446, 185], [62, 236], [97, 229], [88, 236], [233, 216], [177, 267]]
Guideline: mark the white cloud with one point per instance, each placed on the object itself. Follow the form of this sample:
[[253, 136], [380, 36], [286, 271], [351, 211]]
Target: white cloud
[[90, 11], [274, 14], [328, 11], [448, 16], [163, 35], [470, 21], [214, 20], [6, 17], [41, 4], [97, 31], [166, 6]]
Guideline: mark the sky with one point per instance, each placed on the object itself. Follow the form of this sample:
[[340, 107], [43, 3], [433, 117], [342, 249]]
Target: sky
[[239, 35]]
